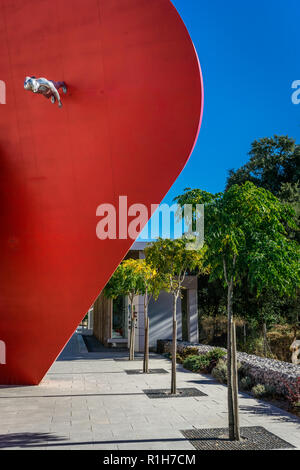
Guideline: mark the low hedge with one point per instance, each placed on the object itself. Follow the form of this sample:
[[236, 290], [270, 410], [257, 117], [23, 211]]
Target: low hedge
[[204, 362]]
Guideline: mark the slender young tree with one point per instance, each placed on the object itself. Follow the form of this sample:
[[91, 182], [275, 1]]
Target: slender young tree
[[172, 260], [128, 282], [246, 236], [151, 284]]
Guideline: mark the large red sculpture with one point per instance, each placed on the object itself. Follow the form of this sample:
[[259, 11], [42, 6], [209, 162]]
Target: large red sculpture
[[127, 127]]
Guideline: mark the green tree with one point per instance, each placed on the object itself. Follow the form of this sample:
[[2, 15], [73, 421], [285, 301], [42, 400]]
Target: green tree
[[274, 162], [245, 235], [126, 281], [150, 284], [172, 260]]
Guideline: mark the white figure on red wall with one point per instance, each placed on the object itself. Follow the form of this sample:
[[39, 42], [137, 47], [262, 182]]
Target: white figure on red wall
[[45, 87]]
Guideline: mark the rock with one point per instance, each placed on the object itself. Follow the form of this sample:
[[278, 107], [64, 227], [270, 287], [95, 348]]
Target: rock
[[295, 348]]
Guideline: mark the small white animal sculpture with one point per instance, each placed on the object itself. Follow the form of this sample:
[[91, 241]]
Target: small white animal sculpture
[[45, 87]]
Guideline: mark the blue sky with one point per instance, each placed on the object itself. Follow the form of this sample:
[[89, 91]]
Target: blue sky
[[249, 54]]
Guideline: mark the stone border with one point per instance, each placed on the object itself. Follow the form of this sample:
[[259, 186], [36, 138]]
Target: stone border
[[262, 370]]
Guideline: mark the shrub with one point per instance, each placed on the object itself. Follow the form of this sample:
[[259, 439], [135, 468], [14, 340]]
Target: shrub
[[190, 351], [293, 393], [203, 362], [216, 354], [179, 359], [259, 391], [246, 383], [189, 362], [220, 372], [213, 357], [271, 391], [196, 363], [183, 354]]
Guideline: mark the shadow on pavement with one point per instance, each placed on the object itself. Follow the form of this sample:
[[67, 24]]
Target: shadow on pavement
[[265, 409], [29, 439]]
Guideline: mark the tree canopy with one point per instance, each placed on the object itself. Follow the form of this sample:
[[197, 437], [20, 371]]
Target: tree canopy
[[246, 227], [172, 260], [274, 161]]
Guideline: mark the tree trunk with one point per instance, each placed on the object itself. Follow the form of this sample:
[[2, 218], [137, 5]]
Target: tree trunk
[[146, 348], [229, 363], [132, 333], [264, 328], [174, 347], [232, 375], [146, 340], [236, 422], [130, 340], [266, 345]]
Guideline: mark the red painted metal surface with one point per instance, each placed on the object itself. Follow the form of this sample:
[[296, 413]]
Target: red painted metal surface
[[127, 127]]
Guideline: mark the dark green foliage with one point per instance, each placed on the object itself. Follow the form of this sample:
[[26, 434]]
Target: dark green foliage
[[196, 363], [179, 359], [190, 351], [203, 362], [184, 353], [216, 354], [246, 383], [220, 372], [274, 162]]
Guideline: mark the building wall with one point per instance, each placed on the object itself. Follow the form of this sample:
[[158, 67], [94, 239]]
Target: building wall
[[161, 318], [102, 319]]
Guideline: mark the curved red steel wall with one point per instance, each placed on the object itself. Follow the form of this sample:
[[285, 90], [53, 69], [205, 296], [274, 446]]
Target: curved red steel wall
[[127, 127]]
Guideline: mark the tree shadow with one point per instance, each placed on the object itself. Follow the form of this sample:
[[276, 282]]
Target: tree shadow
[[266, 409], [204, 382], [86, 372], [70, 395], [29, 439]]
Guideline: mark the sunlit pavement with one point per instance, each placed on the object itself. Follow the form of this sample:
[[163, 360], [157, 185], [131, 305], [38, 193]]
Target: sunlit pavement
[[87, 401]]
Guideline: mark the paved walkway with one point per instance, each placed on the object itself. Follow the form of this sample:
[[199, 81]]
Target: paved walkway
[[87, 401]]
